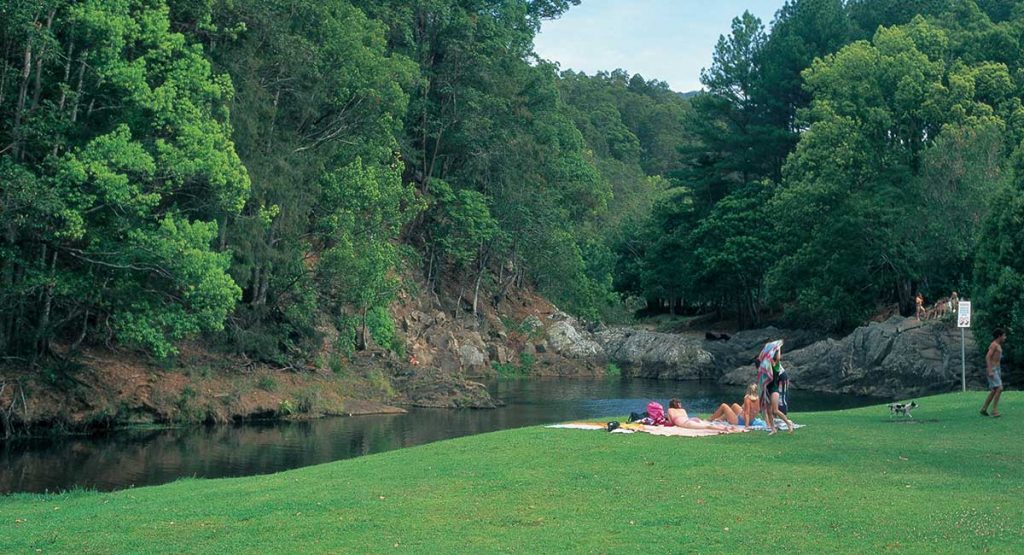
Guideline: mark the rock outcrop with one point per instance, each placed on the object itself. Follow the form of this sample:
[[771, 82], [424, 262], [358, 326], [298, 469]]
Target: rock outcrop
[[568, 339], [448, 347], [900, 357], [743, 347], [648, 354]]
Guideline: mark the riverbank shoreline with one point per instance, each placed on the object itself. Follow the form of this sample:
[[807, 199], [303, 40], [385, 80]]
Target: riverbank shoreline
[[852, 477]]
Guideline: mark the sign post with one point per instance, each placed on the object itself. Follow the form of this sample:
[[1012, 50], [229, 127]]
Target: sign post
[[963, 321]]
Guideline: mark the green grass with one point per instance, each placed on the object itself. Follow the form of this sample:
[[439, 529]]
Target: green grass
[[851, 481]]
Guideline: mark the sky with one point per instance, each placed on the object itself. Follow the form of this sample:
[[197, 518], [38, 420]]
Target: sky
[[667, 40]]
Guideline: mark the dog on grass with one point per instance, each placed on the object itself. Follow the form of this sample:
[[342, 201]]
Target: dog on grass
[[902, 409]]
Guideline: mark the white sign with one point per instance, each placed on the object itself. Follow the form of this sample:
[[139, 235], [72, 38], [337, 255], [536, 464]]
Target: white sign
[[963, 315]]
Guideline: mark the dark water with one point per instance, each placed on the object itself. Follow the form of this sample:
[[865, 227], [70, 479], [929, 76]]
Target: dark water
[[138, 458]]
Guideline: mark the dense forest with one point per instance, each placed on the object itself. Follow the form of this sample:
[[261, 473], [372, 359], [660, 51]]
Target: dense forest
[[257, 172]]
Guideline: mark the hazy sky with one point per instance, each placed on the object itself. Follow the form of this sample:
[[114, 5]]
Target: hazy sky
[[669, 40]]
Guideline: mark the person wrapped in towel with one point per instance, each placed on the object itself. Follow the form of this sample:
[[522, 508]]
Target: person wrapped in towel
[[772, 382]]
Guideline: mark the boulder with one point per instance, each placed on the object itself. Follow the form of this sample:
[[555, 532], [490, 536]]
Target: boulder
[[472, 357], [499, 354], [649, 354], [566, 340]]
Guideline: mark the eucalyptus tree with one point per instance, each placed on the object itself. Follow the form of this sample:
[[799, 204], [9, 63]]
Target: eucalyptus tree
[[116, 167], [319, 105]]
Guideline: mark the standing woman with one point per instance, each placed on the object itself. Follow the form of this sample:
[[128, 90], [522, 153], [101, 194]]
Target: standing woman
[[778, 377], [770, 376]]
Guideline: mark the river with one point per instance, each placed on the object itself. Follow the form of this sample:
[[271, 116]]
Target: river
[[134, 458]]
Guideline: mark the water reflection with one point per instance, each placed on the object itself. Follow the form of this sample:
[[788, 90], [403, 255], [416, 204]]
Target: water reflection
[[137, 458]]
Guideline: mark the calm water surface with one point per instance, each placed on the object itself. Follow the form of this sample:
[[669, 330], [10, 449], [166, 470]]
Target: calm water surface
[[125, 459]]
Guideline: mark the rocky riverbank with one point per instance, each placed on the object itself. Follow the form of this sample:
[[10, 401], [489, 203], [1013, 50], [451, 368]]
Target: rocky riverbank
[[448, 350], [900, 357]]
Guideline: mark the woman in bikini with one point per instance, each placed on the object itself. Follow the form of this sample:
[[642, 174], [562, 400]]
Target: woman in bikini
[[678, 417], [774, 395], [737, 415]]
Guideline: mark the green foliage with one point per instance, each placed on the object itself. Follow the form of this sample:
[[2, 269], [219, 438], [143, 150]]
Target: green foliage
[[120, 164], [999, 272], [379, 381], [381, 326], [828, 174], [348, 330], [336, 363], [530, 328], [512, 370], [613, 370], [267, 383], [319, 137], [286, 408]]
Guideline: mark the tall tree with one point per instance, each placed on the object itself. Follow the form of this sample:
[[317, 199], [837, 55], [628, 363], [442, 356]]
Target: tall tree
[[725, 121], [319, 138], [117, 164]]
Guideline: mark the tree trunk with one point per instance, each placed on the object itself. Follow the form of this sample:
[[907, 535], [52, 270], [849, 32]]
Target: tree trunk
[[361, 341], [26, 73], [38, 86], [904, 292], [79, 88], [67, 75], [82, 334], [42, 331]]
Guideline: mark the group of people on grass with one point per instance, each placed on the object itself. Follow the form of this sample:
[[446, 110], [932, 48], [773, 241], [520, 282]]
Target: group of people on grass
[[762, 398]]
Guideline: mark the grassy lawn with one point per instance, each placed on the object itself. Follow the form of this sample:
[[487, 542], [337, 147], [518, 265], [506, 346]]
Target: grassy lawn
[[851, 481]]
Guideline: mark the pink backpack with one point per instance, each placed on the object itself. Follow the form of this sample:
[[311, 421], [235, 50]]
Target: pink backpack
[[656, 413]]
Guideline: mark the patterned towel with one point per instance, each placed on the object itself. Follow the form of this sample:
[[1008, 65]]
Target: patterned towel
[[629, 428]]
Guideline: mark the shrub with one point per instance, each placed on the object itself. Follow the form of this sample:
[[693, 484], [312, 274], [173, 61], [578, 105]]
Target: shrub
[[381, 326], [267, 383], [379, 381], [336, 363]]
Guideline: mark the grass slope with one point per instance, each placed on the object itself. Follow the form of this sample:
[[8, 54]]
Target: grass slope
[[851, 481]]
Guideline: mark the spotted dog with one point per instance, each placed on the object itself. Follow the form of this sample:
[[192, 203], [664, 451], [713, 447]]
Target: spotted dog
[[902, 409]]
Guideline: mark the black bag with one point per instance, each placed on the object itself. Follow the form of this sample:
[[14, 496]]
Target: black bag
[[637, 416]]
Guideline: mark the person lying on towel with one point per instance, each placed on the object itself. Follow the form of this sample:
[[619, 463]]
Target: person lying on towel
[[677, 415]]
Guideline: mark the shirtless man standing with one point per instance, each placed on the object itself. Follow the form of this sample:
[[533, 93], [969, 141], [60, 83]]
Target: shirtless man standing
[[993, 362]]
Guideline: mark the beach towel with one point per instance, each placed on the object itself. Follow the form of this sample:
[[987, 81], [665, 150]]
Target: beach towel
[[631, 428], [764, 369], [622, 429], [760, 425], [684, 432]]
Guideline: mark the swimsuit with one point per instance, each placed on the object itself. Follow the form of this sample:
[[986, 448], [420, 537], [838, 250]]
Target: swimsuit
[[996, 379]]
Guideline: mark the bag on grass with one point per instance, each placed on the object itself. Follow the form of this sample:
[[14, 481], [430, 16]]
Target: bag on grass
[[637, 416], [656, 414]]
